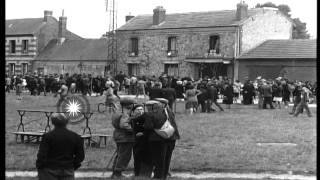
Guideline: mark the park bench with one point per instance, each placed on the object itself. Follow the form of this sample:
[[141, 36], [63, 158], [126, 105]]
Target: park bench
[[30, 136]]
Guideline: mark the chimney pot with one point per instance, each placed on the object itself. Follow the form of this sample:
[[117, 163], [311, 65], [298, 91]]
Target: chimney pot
[[128, 17], [46, 15], [159, 15], [62, 27], [242, 10]]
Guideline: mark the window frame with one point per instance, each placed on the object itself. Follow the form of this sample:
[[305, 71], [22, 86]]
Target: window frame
[[214, 44], [12, 46], [134, 46], [172, 46], [12, 68], [168, 68], [25, 70], [133, 68], [25, 46]]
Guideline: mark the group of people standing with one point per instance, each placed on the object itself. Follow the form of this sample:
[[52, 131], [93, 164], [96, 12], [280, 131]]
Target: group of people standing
[[135, 132]]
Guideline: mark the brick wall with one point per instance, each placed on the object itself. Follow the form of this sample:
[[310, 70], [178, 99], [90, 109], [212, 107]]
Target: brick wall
[[299, 69], [192, 42], [268, 24]]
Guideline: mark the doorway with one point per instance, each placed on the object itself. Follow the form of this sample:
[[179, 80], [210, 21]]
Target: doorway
[[212, 70]]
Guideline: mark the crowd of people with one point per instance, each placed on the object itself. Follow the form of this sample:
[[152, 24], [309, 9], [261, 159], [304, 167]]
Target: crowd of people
[[149, 131], [197, 94]]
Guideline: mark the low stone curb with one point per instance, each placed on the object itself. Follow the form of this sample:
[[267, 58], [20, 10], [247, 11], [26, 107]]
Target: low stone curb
[[185, 175]]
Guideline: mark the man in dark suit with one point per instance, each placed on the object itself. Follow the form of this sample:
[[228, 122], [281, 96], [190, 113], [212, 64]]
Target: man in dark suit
[[61, 151]]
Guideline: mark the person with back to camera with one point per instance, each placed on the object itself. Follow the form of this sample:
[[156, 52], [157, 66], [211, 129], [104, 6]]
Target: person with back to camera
[[61, 151]]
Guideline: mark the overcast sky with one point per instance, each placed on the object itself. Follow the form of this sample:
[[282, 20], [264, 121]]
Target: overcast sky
[[89, 19]]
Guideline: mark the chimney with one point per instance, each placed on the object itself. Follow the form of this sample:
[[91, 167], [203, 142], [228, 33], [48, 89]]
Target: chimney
[[159, 15], [62, 28], [46, 15], [242, 11], [128, 17]]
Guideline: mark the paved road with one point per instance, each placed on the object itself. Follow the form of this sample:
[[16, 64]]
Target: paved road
[[183, 175]]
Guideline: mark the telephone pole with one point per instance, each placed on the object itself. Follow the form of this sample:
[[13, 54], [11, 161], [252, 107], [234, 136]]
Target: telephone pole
[[111, 63]]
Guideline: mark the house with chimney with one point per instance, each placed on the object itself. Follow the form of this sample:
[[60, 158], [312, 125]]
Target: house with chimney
[[196, 44], [26, 38]]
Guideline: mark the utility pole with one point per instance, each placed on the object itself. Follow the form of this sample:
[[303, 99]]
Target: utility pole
[[111, 63]]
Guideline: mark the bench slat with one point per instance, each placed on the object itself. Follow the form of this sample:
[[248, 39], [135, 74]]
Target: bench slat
[[29, 133]]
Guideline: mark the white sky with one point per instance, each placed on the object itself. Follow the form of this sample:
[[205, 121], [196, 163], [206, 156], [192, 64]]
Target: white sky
[[89, 19]]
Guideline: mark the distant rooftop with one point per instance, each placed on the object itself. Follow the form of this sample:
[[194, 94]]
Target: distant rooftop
[[296, 48]]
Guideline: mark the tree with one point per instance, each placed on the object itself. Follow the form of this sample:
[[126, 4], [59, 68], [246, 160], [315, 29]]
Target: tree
[[285, 9], [300, 29]]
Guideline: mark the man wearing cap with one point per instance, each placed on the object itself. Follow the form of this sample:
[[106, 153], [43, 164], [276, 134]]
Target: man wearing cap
[[123, 136], [61, 151], [158, 150]]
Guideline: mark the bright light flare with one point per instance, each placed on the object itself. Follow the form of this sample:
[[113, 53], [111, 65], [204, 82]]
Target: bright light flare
[[73, 108]]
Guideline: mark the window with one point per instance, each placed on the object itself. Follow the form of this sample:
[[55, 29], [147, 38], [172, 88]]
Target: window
[[133, 69], [24, 46], [172, 46], [12, 46], [133, 47], [24, 68], [12, 69], [171, 69], [214, 44]]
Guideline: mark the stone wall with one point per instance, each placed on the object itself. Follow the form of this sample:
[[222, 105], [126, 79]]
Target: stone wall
[[268, 24], [89, 67], [191, 42]]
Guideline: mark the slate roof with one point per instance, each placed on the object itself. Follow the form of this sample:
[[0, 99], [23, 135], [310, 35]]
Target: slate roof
[[184, 20], [30, 26], [23, 26], [85, 49], [270, 49]]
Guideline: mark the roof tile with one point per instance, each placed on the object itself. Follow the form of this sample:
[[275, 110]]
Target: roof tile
[[297, 48]]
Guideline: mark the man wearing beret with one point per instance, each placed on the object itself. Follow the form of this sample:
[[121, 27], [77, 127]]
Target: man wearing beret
[[61, 151], [123, 136]]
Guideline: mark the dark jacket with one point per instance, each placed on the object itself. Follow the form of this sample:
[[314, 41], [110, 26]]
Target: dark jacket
[[212, 93], [267, 91], [60, 149], [149, 121]]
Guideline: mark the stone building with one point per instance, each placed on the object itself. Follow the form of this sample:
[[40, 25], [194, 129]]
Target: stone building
[[293, 59], [73, 56], [196, 44], [26, 38]]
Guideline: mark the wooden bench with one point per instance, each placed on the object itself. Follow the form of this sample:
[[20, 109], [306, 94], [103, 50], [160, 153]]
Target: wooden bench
[[102, 137], [30, 136]]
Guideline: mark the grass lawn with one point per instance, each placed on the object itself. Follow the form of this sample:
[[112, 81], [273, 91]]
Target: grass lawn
[[219, 142]]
